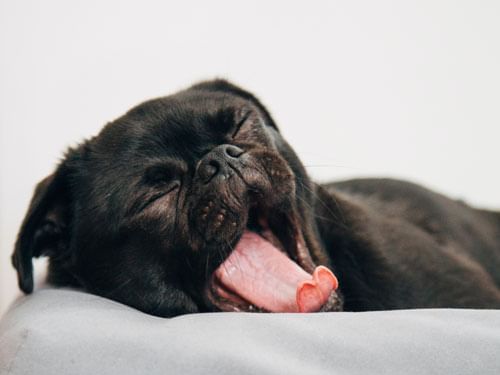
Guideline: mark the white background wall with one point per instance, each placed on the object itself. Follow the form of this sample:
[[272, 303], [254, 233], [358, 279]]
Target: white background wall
[[361, 88]]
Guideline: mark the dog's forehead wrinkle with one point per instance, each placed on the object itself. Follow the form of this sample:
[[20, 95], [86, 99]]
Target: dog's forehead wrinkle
[[186, 140]]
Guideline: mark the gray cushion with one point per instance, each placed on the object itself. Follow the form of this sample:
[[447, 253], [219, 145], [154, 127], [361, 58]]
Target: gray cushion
[[70, 332]]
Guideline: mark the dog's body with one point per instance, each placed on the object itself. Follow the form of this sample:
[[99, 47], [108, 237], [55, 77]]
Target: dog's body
[[171, 207], [407, 247]]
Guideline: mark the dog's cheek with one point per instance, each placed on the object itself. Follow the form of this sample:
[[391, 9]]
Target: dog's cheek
[[160, 299], [271, 174], [159, 224], [142, 272]]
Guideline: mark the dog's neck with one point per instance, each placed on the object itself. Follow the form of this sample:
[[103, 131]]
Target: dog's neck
[[360, 269]]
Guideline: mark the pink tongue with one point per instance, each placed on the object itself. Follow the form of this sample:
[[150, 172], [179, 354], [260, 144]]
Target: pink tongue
[[264, 276]]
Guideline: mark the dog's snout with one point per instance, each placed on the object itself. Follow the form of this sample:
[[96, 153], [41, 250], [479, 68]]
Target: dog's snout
[[216, 162]]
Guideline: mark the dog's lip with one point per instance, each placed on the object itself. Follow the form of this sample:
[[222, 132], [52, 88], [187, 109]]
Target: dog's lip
[[282, 229]]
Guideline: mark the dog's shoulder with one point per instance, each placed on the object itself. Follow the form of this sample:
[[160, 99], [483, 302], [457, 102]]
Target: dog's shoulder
[[398, 200], [396, 196], [383, 188]]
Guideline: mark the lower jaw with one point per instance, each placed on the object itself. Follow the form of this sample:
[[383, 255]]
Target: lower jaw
[[222, 299]]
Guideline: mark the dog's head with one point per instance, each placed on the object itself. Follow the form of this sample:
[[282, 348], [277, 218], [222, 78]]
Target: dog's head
[[188, 203]]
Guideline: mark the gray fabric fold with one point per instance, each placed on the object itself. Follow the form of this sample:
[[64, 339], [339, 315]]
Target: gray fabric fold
[[69, 332]]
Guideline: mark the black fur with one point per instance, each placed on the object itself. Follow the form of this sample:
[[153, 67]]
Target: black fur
[[144, 212]]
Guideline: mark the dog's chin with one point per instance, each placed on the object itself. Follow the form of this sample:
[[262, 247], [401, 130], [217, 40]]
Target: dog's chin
[[269, 268]]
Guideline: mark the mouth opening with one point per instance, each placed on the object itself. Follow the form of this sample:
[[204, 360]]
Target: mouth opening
[[270, 269]]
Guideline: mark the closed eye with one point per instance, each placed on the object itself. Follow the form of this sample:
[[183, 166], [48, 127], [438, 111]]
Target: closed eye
[[240, 124], [150, 198]]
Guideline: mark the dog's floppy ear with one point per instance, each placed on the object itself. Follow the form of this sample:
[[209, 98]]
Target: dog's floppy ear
[[44, 229]]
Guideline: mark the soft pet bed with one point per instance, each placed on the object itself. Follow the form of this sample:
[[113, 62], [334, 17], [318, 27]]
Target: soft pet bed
[[69, 332]]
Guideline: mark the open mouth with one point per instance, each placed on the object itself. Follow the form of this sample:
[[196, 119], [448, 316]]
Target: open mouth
[[270, 270]]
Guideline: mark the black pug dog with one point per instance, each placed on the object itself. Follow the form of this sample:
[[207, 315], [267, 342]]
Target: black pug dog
[[194, 202]]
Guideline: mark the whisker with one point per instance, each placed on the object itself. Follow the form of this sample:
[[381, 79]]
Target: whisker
[[315, 215], [206, 266], [121, 286], [331, 166], [342, 218]]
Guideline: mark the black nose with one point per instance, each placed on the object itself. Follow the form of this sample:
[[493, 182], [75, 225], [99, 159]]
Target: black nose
[[216, 162]]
